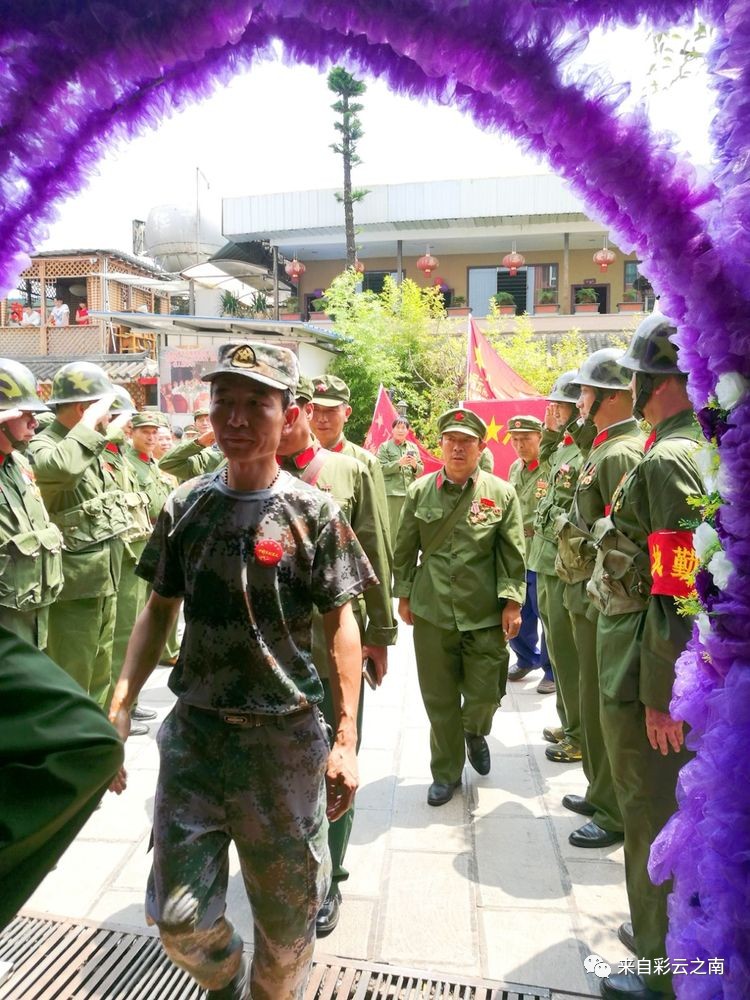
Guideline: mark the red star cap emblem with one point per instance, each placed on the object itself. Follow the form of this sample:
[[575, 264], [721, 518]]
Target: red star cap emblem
[[320, 387], [517, 423], [460, 416]]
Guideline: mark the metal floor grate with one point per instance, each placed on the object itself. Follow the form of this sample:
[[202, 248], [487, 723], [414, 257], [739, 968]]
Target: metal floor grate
[[55, 959]]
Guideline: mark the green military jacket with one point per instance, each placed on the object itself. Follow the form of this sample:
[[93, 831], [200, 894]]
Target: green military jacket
[[82, 495], [344, 447], [351, 486], [653, 499], [31, 573], [189, 459], [477, 567], [530, 483], [151, 480], [565, 461], [614, 452], [398, 478]]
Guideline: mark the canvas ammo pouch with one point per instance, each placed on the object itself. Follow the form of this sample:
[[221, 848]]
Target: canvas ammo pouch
[[31, 574], [620, 583], [138, 504], [97, 520], [575, 555]]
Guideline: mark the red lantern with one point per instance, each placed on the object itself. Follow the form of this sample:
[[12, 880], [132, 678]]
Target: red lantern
[[359, 267], [428, 264], [604, 258], [295, 269], [513, 261]]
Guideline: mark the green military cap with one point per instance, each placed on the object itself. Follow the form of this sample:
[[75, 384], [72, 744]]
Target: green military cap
[[18, 388], [305, 389], [274, 366], [525, 422], [330, 391], [144, 418], [201, 412], [464, 421]]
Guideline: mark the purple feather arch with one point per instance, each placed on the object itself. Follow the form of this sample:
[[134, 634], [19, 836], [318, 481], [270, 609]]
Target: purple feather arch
[[110, 70]]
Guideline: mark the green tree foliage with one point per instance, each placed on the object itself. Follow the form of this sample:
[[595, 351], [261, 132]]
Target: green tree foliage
[[350, 130]]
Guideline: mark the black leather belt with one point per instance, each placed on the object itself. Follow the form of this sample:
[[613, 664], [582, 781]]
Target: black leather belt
[[250, 720]]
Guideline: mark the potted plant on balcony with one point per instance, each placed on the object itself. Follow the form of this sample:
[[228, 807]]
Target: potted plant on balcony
[[458, 306], [631, 302], [547, 302], [319, 306], [505, 303], [290, 309], [586, 301]]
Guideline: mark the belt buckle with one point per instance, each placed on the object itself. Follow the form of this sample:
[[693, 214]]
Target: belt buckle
[[237, 719]]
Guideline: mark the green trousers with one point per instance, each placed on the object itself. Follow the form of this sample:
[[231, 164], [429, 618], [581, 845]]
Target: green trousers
[[561, 646], [462, 677], [394, 513], [80, 641], [57, 755], [31, 626], [340, 830], [601, 792], [131, 599]]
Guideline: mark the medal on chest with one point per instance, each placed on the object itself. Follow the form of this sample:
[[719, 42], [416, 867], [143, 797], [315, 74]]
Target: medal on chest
[[483, 510], [618, 497], [541, 489], [589, 475]]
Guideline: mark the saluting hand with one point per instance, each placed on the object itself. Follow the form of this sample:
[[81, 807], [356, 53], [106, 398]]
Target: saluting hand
[[663, 731]]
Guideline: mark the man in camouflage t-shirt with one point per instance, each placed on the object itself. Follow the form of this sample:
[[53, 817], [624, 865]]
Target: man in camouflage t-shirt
[[244, 754]]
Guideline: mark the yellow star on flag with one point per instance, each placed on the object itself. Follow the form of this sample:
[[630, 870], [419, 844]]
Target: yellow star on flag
[[478, 356], [506, 439], [492, 429]]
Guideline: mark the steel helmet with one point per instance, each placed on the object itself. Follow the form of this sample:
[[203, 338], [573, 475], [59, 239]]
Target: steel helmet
[[18, 388], [80, 382], [652, 349], [603, 370], [565, 389], [123, 401]]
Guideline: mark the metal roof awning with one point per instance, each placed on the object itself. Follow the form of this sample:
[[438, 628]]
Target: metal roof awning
[[170, 286], [242, 269], [120, 368], [226, 327]]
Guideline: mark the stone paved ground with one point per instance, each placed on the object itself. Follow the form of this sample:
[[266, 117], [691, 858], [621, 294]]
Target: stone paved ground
[[486, 885]]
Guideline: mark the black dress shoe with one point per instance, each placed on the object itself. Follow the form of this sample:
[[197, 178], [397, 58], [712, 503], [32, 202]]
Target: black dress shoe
[[622, 986], [237, 989], [438, 793], [329, 913], [578, 804], [142, 714], [625, 934], [478, 753], [592, 835]]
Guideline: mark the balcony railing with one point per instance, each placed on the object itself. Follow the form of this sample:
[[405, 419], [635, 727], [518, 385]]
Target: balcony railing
[[77, 341]]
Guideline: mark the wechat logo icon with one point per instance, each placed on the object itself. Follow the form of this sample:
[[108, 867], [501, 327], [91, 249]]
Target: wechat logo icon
[[597, 965]]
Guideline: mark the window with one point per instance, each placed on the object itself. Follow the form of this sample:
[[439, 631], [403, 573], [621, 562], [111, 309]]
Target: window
[[372, 281], [545, 277], [631, 273]]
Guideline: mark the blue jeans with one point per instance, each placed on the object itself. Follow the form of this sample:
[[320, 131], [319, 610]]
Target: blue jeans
[[526, 644]]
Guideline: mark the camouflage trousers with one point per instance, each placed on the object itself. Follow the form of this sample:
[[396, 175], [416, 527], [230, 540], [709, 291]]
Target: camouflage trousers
[[261, 787]]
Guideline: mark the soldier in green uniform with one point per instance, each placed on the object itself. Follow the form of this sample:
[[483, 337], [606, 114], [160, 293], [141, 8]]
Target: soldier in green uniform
[[350, 484], [57, 755], [401, 465], [30, 545], [463, 598], [192, 458], [560, 448], [645, 559], [82, 495], [331, 410], [605, 399], [529, 477], [245, 756]]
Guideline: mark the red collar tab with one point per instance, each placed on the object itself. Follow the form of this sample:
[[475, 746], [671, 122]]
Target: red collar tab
[[340, 446], [144, 457], [3, 456], [568, 439], [650, 441], [533, 465], [303, 459], [111, 446], [607, 509], [600, 439], [440, 480]]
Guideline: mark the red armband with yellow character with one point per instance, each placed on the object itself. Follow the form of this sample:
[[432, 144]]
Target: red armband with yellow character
[[673, 563]]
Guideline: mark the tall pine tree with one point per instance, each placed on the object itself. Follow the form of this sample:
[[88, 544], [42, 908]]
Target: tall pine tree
[[350, 129]]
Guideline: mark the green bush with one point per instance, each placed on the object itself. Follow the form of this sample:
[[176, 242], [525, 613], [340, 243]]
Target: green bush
[[504, 299], [586, 296]]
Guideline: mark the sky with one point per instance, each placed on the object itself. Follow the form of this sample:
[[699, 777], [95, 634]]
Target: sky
[[245, 141]]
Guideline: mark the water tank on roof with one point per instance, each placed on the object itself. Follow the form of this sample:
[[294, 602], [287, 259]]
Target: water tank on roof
[[174, 239]]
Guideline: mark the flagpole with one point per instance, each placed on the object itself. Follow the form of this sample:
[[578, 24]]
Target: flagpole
[[468, 355]]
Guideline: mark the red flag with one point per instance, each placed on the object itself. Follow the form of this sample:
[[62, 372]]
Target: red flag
[[380, 431], [496, 413], [488, 376]]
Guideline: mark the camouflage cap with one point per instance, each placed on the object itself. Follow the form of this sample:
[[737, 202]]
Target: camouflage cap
[[274, 366], [330, 391], [463, 421], [524, 422], [305, 389], [148, 418], [80, 382], [18, 388]]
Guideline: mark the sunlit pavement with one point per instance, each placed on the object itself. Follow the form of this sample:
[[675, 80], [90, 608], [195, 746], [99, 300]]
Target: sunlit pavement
[[486, 885]]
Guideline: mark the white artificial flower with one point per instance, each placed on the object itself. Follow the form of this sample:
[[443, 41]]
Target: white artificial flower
[[704, 627], [730, 389], [723, 481], [711, 482], [720, 567], [707, 459], [705, 540]]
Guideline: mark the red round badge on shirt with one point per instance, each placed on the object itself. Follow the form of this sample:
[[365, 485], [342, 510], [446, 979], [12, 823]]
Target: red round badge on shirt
[[268, 552]]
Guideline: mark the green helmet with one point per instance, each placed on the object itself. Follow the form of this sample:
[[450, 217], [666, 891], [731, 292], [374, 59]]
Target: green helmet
[[603, 370], [652, 349], [18, 388], [565, 388], [123, 401], [80, 382]]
